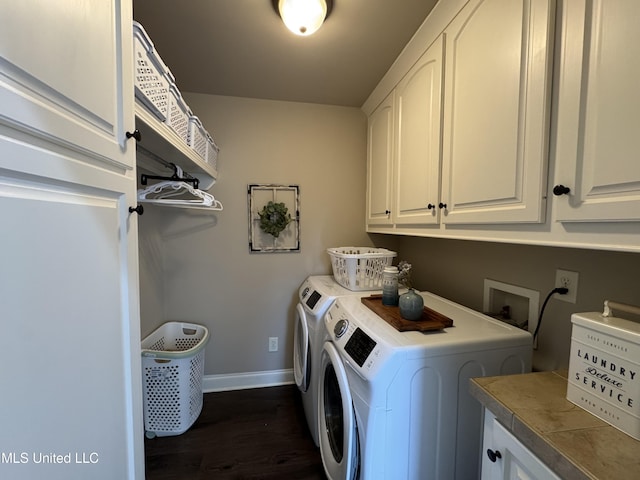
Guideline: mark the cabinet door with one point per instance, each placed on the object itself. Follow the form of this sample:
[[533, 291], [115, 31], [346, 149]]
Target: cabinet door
[[598, 121], [417, 157], [496, 114], [512, 461], [71, 376], [69, 75], [379, 163]]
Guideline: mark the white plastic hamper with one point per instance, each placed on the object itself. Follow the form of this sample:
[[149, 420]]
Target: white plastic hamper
[[360, 268], [172, 374]]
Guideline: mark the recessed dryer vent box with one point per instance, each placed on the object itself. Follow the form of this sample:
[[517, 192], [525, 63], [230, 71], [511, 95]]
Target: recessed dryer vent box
[[511, 304]]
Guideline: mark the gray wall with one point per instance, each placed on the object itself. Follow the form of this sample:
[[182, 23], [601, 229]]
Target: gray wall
[[456, 269], [196, 266]]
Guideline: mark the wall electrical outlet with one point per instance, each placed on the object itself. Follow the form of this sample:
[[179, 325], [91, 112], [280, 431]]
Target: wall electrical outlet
[[568, 280], [273, 344]]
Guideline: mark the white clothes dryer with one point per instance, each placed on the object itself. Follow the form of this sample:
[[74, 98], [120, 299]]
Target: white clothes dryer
[[316, 294], [396, 404]]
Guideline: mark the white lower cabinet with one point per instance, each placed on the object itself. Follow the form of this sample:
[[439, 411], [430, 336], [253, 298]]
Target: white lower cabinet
[[505, 458]]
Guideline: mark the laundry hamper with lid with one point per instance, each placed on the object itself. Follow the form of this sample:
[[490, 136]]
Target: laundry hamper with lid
[[172, 374]]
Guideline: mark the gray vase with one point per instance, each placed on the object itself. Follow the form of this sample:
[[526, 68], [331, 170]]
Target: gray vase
[[411, 305]]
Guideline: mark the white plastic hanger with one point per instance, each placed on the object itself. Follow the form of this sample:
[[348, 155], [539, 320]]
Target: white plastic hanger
[[166, 193]]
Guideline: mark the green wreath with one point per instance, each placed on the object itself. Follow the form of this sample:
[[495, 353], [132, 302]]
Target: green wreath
[[274, 218]]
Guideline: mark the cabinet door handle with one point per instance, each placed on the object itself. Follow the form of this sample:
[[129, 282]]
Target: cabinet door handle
[[431, 206], [139, 209], [493, 455], [442, 205], [388, 212], [135, 134], [559, 190]]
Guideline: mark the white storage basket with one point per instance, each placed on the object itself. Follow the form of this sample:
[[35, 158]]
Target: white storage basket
[[178, 114], [151, 79], [212, 152], [360, 268], [197, 139], [172, 374]]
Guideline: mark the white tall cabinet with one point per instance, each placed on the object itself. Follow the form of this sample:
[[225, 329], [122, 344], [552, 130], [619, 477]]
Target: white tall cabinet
[[598, 121], [71, 404]]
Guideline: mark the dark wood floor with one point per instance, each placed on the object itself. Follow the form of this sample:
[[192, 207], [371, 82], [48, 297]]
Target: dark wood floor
[[244, 434]]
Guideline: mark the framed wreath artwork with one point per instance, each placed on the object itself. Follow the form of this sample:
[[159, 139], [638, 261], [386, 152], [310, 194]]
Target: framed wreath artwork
[[274, 218]]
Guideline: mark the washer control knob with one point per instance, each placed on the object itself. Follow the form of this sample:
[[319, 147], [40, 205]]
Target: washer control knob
[[340, 327], [305, 292]]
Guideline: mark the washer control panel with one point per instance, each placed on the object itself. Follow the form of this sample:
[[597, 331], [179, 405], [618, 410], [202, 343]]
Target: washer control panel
[[341, 327], [358, 345], [312, 299]]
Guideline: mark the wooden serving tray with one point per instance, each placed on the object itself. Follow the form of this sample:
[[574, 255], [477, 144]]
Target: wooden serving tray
[[430, 321]]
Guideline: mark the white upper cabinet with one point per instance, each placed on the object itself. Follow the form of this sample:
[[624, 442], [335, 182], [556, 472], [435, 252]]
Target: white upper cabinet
[[68, 78], [417, 145], [496, 112], [380, 163], [598, 119]]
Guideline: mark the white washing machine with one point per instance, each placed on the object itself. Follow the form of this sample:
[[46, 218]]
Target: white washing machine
[[396, 404], [316, 294]]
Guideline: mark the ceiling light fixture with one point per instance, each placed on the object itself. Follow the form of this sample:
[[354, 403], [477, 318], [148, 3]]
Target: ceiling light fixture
[[303, 17]]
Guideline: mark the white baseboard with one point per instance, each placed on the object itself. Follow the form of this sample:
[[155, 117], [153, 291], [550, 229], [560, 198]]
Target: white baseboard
[[242, 381]]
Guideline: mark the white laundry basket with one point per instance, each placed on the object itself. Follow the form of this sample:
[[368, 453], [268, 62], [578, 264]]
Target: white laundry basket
[[360, 268], [172, 374]]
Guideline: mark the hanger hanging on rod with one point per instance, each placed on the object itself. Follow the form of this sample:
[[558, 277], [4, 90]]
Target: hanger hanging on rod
[[178, 175], [172, 193]]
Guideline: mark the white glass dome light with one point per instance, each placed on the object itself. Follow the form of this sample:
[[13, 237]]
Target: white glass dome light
[[303, 17]]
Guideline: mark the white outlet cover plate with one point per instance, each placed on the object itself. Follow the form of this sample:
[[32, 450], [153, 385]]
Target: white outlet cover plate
[[572, 277]]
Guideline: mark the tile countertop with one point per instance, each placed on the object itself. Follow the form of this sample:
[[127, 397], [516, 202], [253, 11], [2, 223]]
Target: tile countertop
[[572, 442]]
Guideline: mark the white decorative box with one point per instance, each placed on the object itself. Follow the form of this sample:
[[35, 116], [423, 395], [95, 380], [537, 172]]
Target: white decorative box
[[604, 369]]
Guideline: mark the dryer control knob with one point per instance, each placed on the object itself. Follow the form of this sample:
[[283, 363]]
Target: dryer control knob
[[341, 327], [305, 292]]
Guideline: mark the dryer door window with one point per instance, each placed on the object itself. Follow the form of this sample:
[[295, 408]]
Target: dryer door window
[[337, 423], [301, 350]]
